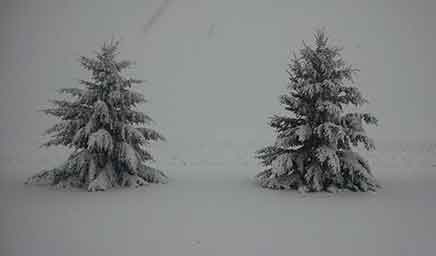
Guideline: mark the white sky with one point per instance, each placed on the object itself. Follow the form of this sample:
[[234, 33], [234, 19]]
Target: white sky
[[216, 68]]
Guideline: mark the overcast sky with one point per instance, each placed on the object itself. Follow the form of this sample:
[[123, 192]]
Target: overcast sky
[[215, 68]]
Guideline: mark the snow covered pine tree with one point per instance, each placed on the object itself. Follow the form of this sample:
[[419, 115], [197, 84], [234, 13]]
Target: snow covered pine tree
[[105, 130], [313, 150]]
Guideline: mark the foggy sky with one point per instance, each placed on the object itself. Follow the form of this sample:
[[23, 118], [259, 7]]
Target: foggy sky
[[215, 69]]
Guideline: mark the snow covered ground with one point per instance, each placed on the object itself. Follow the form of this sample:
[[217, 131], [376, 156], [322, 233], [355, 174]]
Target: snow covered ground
[[212, 207]]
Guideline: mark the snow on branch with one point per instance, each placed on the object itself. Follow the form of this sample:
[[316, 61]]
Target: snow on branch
[[100, 141]]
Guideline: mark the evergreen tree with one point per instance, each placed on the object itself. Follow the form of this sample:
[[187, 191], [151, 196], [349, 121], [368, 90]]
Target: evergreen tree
[[314, 144], [100, 122]]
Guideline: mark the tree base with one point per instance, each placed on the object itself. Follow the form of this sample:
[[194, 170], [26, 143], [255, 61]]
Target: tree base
[[268, 179], [106, 179]]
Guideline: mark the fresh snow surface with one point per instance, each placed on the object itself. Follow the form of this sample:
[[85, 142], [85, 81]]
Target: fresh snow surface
[[212, 207]]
